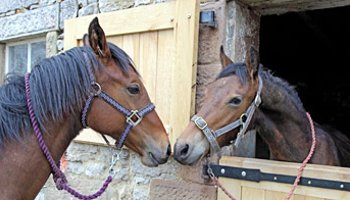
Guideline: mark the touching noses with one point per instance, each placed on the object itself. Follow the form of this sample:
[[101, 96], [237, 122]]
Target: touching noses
[[161, 157], [168, 152]]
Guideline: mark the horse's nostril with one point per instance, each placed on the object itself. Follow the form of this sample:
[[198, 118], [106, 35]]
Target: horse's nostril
[[168, 151], [184, 151]]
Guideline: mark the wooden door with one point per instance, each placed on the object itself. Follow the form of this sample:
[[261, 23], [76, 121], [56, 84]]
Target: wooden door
[[162, 39], [266, 190]]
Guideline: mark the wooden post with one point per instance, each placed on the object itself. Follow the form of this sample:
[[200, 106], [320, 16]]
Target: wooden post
[[186, 32]]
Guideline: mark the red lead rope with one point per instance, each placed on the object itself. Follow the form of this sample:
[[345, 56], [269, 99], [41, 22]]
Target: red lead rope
[[300, 170]]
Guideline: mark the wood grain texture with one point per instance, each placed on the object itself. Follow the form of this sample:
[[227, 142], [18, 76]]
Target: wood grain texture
[[280, 190], [162, 40]]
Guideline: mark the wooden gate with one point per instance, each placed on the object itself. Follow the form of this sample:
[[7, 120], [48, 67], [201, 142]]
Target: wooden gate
[[253, 169], [162, 40]]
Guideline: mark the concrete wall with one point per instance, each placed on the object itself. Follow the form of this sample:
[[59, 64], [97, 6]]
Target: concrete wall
[[86, 166]]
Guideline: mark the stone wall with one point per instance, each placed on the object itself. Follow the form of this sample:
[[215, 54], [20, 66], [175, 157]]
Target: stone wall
[[2, 62], [86, 166]]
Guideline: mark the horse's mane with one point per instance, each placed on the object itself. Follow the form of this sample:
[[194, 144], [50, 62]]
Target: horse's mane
[[240, 70], [59, 86]]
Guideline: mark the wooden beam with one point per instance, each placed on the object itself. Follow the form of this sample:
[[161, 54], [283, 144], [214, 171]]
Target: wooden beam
[[154, 17], [186, 32], [288, 168], [269, 7]]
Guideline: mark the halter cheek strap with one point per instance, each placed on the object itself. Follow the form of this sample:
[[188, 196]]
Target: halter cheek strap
[[133, 117], [243, 122]]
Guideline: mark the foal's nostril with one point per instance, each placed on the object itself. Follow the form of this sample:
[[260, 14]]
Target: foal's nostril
[[168, 151], [184, 150]]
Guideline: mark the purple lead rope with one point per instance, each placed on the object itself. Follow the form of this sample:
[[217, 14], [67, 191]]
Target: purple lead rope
[[58, 176]]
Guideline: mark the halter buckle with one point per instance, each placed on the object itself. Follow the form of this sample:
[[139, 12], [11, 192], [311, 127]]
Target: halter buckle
[[200, 123], [134, 113]]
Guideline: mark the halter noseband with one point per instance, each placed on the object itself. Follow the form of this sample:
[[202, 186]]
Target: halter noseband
[[133, 117], [242, 122]]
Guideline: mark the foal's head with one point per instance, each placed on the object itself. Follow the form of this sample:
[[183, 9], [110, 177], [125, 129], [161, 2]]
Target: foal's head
[[226, 99], [119, 79]]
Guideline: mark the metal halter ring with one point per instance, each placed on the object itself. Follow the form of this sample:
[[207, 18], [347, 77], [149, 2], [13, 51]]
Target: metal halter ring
[[96, 89], [243, 118], [134, 113]]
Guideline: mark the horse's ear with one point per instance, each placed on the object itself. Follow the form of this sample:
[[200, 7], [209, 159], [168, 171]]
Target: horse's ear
[[252, 61], [225, 60], [86, 42], [97, 40]]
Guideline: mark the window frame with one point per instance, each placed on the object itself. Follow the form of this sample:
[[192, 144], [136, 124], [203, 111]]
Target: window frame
[[29, 43]]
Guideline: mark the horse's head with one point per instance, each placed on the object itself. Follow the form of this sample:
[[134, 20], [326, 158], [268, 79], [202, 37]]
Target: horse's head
[[225, 102], [132, 109]]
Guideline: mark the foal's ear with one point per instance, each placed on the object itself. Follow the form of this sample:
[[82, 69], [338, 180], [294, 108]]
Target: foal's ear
[[97, 40], [252, 61], [225, 60]]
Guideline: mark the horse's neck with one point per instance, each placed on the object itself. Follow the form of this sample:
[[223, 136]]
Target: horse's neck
[[24, 169], [281, 124]]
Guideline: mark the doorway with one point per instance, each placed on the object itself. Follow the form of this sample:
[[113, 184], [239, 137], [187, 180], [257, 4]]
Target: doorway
[[310, 50]]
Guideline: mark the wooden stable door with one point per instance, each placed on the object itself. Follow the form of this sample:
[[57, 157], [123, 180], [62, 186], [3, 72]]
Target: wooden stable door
[[162, 40], [269, 190]]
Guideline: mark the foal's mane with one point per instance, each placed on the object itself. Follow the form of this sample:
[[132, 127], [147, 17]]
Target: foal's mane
[[59, 86], [240, 70]]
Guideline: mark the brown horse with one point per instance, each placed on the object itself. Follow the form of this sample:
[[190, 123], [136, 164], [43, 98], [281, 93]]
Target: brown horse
[[245, 96], [103, 79]]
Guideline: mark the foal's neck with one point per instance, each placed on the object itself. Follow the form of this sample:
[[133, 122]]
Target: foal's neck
[[282, 123]]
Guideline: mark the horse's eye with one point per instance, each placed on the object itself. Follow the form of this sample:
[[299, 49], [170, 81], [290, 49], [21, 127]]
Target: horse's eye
[[235, 101], [134, 89]]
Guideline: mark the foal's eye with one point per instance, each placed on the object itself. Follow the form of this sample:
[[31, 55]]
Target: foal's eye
[[235, 101], [134, 89]]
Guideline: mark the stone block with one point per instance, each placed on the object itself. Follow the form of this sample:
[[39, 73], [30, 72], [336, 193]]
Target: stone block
[[83, 185], [2, 61], [89, 9], [47, 2], [51, 41], [142, 2], [69, 9], [60, 45], [9, 13], [7, 5], [194, 173], [210, 39], [242, 30], [205, 75], [29, 22], [143, 175], [83, 3], [111, 5], [180, 190], [140, 193]]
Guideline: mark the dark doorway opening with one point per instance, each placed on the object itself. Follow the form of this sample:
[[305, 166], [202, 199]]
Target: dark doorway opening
[[311, 50]]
